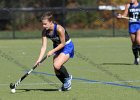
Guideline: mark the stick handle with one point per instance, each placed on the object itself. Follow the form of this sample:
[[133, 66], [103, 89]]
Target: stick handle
[[133, 19], [38, 64], [125, 17], [43, 59], [13, 86]]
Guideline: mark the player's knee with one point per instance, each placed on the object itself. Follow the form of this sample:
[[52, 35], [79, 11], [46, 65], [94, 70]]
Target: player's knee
[[57, 66], [138, 41]]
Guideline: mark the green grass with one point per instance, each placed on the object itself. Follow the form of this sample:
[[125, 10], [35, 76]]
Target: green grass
[[76, 33], [96, 59]]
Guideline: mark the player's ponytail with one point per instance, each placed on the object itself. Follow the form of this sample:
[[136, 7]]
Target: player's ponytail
[[48, 16]]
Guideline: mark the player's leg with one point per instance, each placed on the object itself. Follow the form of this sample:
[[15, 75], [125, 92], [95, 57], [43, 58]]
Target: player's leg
[[134, 47], [57, 72], [138, 40], [61, 71], [138, 37]]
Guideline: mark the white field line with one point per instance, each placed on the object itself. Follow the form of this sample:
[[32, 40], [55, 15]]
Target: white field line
[[129, 81], [29, 84]]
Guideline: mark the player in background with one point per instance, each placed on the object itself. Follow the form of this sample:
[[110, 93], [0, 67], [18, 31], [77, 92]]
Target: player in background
[[63, 48], [132, 9]]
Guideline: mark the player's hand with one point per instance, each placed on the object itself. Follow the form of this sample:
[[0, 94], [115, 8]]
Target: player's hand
[[50, 53], [37, 63], [119, 16]]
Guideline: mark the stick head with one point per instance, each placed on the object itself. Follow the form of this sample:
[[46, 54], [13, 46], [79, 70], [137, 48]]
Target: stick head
[[12, 86]]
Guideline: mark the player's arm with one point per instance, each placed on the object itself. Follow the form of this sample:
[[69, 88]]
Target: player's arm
[[43, 48], [61, 33], [125, 12]]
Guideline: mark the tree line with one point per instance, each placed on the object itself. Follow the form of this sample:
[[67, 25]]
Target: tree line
[[83, 19]]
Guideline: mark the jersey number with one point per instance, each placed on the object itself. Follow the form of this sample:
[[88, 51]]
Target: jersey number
[[135, 15]]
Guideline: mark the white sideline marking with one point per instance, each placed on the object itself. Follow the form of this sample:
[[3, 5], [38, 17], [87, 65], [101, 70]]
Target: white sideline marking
[[129, 81], [28, 84]]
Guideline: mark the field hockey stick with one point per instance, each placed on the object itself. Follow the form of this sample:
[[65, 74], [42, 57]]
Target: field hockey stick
[[128, 18], [13, 86], [116, 14]]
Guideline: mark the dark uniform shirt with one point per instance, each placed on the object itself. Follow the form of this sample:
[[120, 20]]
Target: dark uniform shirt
[[134, 13], [54, 35]]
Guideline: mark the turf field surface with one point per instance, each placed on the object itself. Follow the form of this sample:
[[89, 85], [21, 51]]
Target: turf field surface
[[102, 70]]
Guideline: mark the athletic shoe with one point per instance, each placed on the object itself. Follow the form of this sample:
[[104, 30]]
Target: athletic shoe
[[64, 89], [67, 84], [136, 62]]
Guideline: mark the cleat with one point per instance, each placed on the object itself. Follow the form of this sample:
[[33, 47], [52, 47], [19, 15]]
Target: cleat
[[67, 84], [136, 62], [64, 89]]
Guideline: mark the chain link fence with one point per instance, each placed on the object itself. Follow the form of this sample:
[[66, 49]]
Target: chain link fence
[[80, 21]]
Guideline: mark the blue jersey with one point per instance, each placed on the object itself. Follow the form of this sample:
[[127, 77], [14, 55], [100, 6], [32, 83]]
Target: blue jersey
[[54, 35], [69, 46], [134, 13]]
